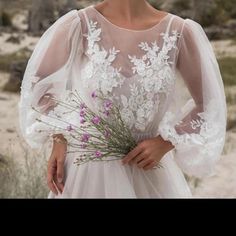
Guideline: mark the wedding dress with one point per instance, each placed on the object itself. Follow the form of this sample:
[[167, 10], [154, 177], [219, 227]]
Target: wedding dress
[[166, 80]]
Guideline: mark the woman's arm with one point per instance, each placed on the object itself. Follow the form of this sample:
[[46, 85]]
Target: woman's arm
[[196, 121], [48, 78], [55, 171]]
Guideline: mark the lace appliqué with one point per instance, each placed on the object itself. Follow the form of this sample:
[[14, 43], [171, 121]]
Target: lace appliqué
[[155, 76], [138, 109], [209, 137], [104, 76], [154, 66], [153, 72]]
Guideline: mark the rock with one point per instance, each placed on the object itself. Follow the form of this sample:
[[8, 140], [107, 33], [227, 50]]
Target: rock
[[5, 19], [17, 70], [3, 98], [216, 32], [65, 6], [41, 16], [44, 13], [231, 118], [13, 39], [231, 25], [212, 16], [204, 11], [2, 159], [168, 5], [10, 130]]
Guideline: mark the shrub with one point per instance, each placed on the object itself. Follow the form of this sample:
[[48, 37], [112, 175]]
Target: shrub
[[5, 19], [23, 178], [156, 3], [228, 70], [181, 5], [7, 59]]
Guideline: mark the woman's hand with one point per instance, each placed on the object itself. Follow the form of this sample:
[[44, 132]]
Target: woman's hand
[[55, 172], [148, 153]]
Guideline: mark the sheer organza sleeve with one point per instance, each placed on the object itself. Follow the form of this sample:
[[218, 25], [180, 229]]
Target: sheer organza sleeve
[[48, 76], [196, 125]]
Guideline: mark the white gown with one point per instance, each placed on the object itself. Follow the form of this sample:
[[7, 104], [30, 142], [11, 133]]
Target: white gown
[[167, 81]]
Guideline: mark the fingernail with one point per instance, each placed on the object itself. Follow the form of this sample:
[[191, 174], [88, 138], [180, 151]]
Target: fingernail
[[60, 180]]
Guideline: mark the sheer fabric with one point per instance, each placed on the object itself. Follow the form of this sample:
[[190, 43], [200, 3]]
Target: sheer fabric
[[166, 80]]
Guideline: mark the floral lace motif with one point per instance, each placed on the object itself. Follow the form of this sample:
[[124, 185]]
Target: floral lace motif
[[153, 71], [154, 66], [155, 76], [209, 136], [99, 69]]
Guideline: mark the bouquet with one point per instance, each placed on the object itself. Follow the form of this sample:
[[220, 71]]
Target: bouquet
[[98, 137]]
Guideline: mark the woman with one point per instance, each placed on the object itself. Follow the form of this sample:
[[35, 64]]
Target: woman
[[162, 71]]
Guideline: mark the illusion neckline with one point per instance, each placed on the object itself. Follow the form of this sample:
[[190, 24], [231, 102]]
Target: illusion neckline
[[126, 29]]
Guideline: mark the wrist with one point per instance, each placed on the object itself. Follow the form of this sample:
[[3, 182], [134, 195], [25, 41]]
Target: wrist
[[167, 145]]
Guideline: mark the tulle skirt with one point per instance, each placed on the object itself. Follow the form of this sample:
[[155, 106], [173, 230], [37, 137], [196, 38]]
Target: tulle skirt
[[111, 179]]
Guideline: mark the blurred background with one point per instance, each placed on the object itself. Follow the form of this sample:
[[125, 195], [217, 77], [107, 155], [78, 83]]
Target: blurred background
[[22, 22]]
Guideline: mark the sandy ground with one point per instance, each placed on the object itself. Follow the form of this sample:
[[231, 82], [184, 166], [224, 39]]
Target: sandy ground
[[9, 126], [223, 183], [224, 48], [27, 41]]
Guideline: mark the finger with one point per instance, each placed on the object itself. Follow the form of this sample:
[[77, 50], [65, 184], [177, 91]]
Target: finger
[[50, 174], [150, 166], [132, 154], [58, 185], [51, 186], [139, 158], [60, 171], [58, 175], [144, 162]]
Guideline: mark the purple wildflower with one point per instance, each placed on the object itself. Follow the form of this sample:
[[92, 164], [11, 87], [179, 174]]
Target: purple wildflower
[[107, 104], [83, 145], [82, 105], [107, 133], [93, 94], [69, 128], [106, 113], [85, 137], [82, 113], [82, 120], [98, 154], [96, 120]]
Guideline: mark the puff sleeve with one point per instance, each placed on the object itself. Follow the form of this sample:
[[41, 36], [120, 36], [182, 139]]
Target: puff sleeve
[[196, 125], [49, 74]]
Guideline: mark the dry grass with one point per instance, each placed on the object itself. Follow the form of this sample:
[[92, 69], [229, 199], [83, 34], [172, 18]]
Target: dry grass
[[23, 179], [7, 59], [228, 70]]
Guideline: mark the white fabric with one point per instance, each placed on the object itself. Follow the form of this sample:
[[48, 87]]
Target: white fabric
[[166, 80]]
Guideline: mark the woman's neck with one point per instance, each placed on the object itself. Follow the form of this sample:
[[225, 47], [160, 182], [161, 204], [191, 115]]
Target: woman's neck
[[128, 9]]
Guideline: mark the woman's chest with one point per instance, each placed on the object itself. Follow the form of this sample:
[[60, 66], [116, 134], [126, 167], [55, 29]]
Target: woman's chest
[[137, 75]]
